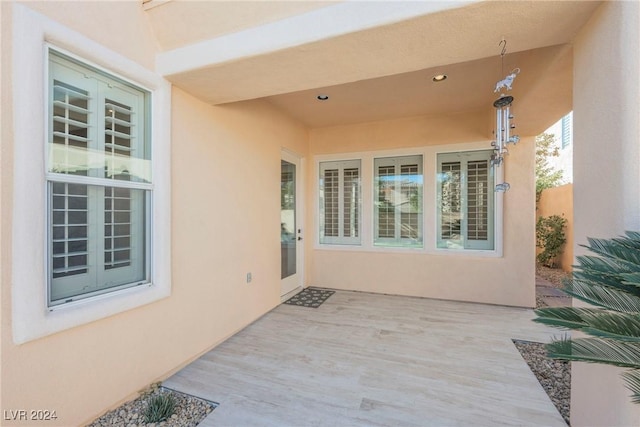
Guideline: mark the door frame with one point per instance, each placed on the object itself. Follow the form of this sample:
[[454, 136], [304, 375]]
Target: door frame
[[298, 161]]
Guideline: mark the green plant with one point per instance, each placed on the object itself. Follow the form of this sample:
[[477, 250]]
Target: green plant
[[550, 237], [546, 176], [609, 281], [160, 407]]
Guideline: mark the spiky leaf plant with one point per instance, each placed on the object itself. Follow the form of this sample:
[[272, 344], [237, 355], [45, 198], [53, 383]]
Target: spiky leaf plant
[[160, 407], [610, 282]]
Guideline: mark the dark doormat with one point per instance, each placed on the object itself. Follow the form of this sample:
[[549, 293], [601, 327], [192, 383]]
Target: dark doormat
[[310, 297]]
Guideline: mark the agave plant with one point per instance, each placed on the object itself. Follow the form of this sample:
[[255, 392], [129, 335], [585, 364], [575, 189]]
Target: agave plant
[[610, 282], [160, 407]]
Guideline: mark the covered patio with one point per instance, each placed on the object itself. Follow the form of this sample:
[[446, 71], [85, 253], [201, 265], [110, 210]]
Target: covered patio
[[226, 93], [364, 359]]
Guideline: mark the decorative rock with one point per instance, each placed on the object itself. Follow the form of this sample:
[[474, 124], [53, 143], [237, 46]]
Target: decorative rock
[[553, 375], [189, 411]]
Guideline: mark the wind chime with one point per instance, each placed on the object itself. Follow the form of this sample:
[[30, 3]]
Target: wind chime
[[503, 119]]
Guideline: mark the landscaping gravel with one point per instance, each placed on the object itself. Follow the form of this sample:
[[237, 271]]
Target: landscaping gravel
[[554, 275], [189, 411], [553, 375]]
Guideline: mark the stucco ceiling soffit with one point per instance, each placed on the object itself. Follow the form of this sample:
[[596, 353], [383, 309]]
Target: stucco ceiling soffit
[[323, 23], [549, 97], [469, 87], [269, 66]]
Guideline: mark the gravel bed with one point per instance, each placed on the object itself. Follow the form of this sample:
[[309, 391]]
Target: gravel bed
[[553, 275], [553, 375], [540, 302], [189, 411]]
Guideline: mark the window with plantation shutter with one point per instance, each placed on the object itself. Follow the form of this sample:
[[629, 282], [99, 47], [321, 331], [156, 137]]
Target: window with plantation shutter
[[398, 201], [98, 180], [465, 200], [340, 202]]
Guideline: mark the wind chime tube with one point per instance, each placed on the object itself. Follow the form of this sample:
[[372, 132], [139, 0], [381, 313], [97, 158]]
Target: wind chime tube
[[499, 141], [506, 124]]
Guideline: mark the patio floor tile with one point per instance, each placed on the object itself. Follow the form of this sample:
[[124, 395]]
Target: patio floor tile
[[364, 359]]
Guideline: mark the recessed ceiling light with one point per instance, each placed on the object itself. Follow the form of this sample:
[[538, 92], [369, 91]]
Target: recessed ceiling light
[[322, 97], [439, 77]]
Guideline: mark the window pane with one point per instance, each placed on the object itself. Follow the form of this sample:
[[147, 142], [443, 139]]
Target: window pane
[[288, 206], [68, 229], [340, 202], [70, 124], [114, 256], [122, 145], [466, 197], [95, 246], [398, 210], [98, 130], [386, 202], [450, 203], [477, 200], [410, 209], [331, 207], [97, 124], [351, 197]]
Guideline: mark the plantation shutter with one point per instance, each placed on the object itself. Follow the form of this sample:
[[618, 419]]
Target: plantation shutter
[[398, 209], [477, 201], [97, 225], [351, 196], [465, 200], [450, 201], [331, 203], [340, 202]]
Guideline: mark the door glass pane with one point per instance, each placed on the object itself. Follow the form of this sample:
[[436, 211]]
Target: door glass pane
[[288, 218]]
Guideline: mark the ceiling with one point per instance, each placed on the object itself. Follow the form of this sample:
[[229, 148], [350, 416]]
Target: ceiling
[[469, 87], [376, 69]]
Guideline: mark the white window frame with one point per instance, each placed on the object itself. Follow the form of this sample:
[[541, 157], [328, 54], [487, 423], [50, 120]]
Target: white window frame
[[429, 247], [101, 84], [464, 157], [31, 316], [340, 166], [396, 162]]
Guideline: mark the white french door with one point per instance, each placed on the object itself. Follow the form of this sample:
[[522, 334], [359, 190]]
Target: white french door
[[291, 235]]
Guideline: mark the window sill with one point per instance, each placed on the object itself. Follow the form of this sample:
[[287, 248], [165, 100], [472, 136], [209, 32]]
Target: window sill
[[469, 253]]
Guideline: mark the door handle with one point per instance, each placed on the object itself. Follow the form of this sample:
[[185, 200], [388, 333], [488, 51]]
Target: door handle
[[299, 238]]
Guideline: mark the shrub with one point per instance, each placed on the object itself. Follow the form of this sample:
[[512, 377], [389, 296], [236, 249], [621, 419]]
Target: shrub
[[546, 176], [550, 237], [160, 407]]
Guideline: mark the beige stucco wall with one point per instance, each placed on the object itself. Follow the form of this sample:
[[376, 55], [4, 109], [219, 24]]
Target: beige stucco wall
[[508, 279], [120, 26], [225, 193], [559, 201], [606, 175]]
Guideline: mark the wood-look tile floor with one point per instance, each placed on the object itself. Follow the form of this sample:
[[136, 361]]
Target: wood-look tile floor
[[375, 360]]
